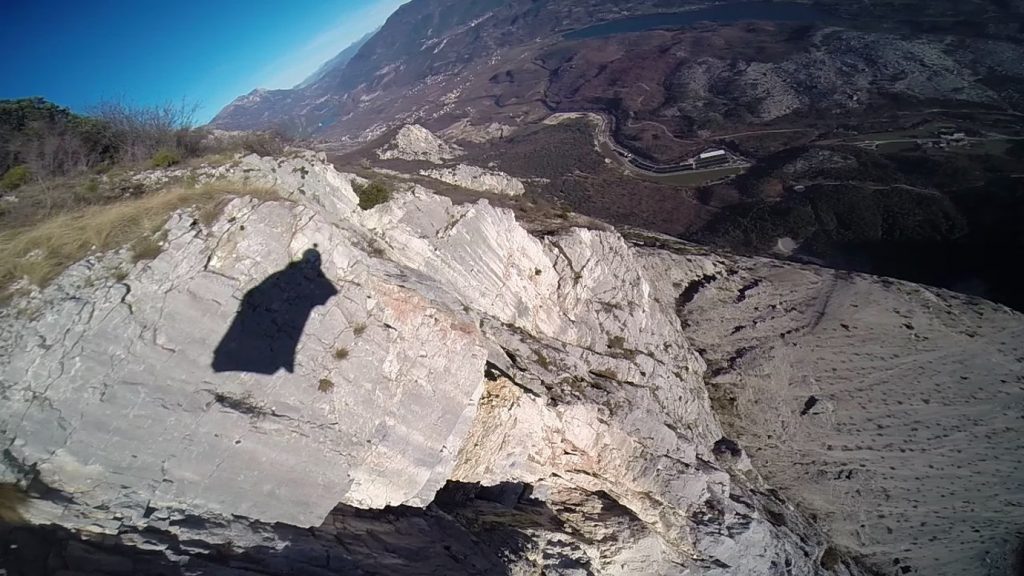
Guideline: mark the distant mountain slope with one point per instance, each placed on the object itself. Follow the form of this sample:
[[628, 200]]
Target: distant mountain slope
[[338, 62], [437, 62], [265, 109], [425, 44]]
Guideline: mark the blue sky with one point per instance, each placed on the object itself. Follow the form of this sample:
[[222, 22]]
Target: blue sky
[[79, 52]]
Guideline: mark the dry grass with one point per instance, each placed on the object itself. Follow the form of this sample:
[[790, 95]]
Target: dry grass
[[147, 248], [341, 353], [359, 328], [43, 250], [12, 499]]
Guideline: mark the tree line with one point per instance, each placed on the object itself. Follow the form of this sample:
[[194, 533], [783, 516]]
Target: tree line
[[40, 140]]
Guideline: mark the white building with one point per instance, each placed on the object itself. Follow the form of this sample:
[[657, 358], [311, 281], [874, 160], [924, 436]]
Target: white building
[[711, 154]]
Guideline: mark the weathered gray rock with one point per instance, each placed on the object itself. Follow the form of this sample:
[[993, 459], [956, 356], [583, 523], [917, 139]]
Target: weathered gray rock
[[159, 178], [479, 179], [129, 368], [414, 142], [464, 130], [882, 407], [534, 404]]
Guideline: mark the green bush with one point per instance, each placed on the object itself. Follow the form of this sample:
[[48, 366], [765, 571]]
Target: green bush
[[91, 187], [165, 158], [15, 178], [373, 194]]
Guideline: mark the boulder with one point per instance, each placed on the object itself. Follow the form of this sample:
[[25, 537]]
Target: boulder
[[478, 179], [414, 142]]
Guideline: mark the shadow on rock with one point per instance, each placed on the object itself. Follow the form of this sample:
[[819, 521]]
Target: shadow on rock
[[265, 332], [469, 530]]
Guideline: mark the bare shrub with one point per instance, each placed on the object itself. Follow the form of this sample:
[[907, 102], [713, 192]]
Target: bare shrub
[[272, 143], [138, 132], [192, 142]]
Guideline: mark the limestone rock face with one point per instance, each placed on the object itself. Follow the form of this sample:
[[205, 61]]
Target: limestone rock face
[[881, 406], [466, 399], [464, 130], [299, 171], [479, 179], [129, 368], [414, 142]]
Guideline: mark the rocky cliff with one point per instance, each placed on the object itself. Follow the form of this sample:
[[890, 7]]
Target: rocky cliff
[[301, 386]]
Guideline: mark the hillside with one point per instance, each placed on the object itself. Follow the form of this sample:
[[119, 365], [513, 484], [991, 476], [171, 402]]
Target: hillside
[[337, 63], [874, 84], [438, 62]]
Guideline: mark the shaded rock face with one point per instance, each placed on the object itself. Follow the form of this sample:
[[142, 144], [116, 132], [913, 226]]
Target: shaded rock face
[[478, 179], [530, 404], [468, 530], [414, 142]]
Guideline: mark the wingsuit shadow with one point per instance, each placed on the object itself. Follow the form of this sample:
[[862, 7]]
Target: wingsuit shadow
[[265, 332]]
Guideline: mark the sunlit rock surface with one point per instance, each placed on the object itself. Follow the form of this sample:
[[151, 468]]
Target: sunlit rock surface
[[414, 142], [473, 400], [478, 179]]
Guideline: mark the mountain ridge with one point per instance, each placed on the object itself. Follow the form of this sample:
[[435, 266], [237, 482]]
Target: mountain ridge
[[338, 61], [437, 62]]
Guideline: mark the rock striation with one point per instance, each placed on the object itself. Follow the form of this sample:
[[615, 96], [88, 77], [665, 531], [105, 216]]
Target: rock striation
[[414, 142], [471, 399], [478, 179]]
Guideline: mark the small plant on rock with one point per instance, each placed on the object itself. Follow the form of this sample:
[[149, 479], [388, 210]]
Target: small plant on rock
[[91, 187], [147, 248], [542, 360], [165, 158], [617, 348], [341, 353], [372, 194], [325, 386], [15, 178]]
